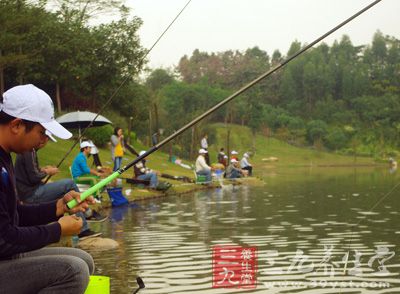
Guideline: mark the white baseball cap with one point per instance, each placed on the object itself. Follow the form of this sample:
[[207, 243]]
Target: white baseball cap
[[234, 152], [85, 144], [246, 155], [30, 103], [203, 151]]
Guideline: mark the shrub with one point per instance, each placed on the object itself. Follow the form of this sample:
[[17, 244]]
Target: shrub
[[316, 130], [100, 135], [336, 139]]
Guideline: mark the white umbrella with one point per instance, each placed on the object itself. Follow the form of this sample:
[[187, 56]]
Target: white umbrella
[[81, 120]]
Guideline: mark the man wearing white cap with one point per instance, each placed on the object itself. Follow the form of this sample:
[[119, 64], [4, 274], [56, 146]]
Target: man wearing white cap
[[233, 171], [26, 112], [202, 168], [245, 164], [80, 169], [234, 155]]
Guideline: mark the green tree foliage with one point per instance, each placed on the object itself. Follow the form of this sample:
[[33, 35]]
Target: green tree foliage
[[61, 53], [336, 139], [316, 131], [100, 135], [317, 97]]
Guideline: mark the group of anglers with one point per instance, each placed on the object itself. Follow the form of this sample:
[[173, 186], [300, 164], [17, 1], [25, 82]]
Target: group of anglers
[[34, 214], [231, 168]]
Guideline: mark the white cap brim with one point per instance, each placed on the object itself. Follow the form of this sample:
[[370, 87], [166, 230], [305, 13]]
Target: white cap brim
[[48, 134], [56, 129]]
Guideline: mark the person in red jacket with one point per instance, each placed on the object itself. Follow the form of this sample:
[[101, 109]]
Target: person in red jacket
[[26, 112]]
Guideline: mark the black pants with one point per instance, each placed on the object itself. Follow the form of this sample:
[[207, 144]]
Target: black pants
[[207, 158], [250, 169], [96, 160]]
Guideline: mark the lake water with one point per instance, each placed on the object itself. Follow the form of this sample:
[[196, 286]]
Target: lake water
[[305, 223]]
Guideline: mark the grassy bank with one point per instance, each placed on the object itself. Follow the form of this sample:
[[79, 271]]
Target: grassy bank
[[241, 140]]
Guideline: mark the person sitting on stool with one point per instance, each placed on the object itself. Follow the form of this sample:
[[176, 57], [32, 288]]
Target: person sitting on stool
[[245, 164], [233, 171], [145, 174], [202, 168]]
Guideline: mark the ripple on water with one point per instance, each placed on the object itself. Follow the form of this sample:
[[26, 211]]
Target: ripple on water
[[368, 213]]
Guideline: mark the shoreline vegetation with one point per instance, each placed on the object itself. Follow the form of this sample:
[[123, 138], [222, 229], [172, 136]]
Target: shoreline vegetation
[[269, 154]]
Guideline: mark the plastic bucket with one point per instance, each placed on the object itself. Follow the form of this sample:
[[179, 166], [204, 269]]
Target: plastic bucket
[[98, 285], [201, 178], [116, 196]]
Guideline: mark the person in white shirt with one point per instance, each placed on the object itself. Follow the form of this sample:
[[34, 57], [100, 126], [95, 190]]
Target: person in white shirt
[[144, 173], [204, 145], [245, 164], [202, 168]]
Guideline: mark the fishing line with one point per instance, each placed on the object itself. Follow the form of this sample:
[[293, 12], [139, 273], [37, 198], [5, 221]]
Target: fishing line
[[118, 88], [117, 173]]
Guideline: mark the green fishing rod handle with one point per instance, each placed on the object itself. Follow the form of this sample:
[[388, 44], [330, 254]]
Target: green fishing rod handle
[[94, 189]]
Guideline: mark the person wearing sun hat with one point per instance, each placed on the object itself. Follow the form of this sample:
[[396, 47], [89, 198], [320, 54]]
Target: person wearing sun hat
[[234, 155], [233, 171], [26, 112], [80, 169], [202, 168], [245, 164]]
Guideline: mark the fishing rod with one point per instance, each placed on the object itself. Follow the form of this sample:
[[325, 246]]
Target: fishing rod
[[117, 90], [140, 284], [117, 173]]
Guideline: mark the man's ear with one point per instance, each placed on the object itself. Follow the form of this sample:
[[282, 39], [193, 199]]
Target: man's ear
[[16, 125]]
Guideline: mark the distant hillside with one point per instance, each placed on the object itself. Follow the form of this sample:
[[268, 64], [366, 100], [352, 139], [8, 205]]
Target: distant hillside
[[242, 140]]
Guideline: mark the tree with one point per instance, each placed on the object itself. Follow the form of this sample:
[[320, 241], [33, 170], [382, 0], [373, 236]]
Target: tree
[[316, 131], [17, 20], [81, 11], [336, 139]]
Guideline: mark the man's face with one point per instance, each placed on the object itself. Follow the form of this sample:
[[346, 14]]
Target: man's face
[[87, 150], [28, 140]]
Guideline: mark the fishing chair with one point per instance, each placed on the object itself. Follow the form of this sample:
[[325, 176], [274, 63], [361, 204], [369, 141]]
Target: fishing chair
[[84, 183], [137, 182], [200, 179]]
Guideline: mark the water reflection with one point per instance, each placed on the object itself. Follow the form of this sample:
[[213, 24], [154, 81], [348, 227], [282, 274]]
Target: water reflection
[[320, 219]]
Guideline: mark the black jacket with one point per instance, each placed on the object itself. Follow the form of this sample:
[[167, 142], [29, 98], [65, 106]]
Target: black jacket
[[28, 174], [23, 227]]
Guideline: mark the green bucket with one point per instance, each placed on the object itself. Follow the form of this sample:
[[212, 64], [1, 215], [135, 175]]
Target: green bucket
[[201, 179], [98, 285]]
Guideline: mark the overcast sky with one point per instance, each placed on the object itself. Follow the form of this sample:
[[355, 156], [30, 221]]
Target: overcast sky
[[219, 25]]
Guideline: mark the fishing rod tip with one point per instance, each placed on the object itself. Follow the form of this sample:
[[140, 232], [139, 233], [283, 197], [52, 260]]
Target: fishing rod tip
[[140, 282]]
